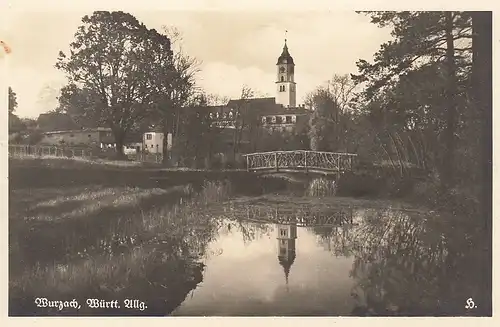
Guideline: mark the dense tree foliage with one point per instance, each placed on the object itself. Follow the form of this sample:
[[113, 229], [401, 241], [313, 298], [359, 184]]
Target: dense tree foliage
[[118, 68], [332, 114], [12, 101], [417, 88]]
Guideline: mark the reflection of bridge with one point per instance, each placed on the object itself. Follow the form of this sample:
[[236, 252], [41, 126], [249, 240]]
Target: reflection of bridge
[[303, 217], [300, 161]]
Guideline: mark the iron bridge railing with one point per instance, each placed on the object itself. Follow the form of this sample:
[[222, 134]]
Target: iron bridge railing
[[300, 160]]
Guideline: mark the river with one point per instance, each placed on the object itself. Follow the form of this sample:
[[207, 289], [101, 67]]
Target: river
[[216, 251], [330, 257]]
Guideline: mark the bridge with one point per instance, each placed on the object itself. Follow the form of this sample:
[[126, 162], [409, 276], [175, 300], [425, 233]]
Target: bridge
[[305, 217], [300, 161]]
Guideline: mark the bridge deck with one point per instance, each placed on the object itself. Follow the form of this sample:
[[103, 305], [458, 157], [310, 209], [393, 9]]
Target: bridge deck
[[300, 160]]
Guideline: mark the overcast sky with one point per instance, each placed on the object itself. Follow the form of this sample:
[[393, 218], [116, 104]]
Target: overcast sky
[[235, 48]]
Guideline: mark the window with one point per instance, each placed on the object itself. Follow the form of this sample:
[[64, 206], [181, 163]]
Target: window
[[151, 146], [282, 78], [90, 135], [284, 88], [279, 119], [149, 136], [268, 120], [288, 119]]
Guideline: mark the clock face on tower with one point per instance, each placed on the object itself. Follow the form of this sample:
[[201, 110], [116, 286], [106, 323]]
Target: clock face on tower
[[282, 69]]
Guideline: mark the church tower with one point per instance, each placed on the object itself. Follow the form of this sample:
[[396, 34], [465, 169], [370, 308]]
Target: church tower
[[285, 83], [287, 234]]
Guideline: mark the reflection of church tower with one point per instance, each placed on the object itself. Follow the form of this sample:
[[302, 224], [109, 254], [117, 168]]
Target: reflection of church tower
[[287, 234]]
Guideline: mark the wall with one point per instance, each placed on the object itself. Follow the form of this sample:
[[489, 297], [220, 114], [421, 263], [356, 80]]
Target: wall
[[155, 143], [132, 148], [72, 138]]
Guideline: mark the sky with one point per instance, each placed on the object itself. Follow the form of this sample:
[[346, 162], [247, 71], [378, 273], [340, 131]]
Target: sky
[[235, 48]]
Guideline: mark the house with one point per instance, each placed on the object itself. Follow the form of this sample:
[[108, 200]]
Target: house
[[82, 137], [153, 142]]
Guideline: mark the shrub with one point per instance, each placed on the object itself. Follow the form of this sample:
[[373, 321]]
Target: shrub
[[321, 187]]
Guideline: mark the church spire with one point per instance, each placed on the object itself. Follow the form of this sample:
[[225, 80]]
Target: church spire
[[285, 57]]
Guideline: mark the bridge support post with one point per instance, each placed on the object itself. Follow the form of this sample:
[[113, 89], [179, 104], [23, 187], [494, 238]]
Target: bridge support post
[[305, 161], [276, 161]]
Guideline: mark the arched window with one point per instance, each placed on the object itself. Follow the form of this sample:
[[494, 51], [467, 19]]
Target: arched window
[[282, 78], [284, 88]]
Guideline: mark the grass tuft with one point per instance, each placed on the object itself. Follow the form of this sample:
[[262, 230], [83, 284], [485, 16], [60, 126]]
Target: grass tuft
[[321, 187]]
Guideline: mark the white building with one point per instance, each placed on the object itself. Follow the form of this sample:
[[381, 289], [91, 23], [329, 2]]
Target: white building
[[153, 142], [133, 148]]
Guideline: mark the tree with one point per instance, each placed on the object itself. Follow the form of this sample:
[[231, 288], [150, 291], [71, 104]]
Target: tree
[[483, 105], [174, 85], [482, 97], [432, 43], [245, 119], [115, 64], [323, 123], [78, 103], [12, 101], [332, 104]]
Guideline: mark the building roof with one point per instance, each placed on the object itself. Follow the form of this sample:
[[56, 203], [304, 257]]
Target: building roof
[[254, 102], [263, 106], [285, 57], [268, 106], [84, 130], [54, 121], [287, 111]]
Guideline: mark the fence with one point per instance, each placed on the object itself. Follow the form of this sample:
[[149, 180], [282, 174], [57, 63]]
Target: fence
[[69, 152], [48, 151], [146, 157]]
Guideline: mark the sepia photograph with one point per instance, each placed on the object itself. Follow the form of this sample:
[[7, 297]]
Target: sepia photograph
[[206, 163]]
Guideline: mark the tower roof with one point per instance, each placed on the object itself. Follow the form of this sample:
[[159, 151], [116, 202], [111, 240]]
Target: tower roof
[[286, 263], [285, 57]]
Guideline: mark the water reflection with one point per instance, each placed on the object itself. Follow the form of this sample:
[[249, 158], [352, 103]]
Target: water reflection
[[287, 234], [345, 262]]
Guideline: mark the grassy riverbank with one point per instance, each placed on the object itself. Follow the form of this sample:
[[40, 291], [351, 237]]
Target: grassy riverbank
[[111, 243], [80, 230]]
